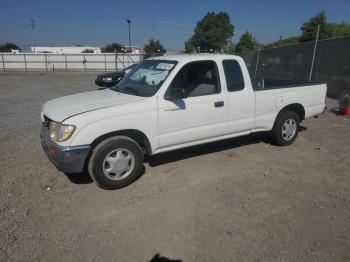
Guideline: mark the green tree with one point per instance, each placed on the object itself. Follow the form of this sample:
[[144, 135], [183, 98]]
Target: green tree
[[111, 48], [6, 48], [189, 46], [283, 42], [309, 28], [211, 33], [230, 48], [154, 46], [246, 43], [339, 30]]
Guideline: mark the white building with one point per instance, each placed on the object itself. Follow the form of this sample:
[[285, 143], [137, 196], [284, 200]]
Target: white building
[[65, 49]]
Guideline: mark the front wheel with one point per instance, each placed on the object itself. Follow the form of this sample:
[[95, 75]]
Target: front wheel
[[116, 163], [286, 128]]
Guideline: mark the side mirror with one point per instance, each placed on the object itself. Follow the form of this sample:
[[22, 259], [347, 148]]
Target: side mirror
[[119, 79], [178, 93]]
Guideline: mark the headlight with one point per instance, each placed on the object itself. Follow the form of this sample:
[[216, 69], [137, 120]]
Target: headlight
[[107, 79], [60, 132]]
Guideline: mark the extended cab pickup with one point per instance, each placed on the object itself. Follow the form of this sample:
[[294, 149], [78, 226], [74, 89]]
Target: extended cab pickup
[[167, 103]]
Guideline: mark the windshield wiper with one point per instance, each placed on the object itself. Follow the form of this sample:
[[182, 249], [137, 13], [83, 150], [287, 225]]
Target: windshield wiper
[[114, 88]]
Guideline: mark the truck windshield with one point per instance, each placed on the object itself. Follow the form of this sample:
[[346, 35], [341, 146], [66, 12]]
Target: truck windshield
[[146, 78]]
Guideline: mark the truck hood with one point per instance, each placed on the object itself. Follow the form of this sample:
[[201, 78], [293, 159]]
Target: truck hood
[[62, 108]]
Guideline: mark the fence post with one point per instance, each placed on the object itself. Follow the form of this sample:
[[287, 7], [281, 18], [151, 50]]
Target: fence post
[[130, 58], [65, 60], [25, 61], [46, 62], [3, 62], [105, 63], [116, 61], [84, 62], [313, 57]]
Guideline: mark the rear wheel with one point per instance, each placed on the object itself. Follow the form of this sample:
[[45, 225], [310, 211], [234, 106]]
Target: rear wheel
[[286, 128], [116, 162]]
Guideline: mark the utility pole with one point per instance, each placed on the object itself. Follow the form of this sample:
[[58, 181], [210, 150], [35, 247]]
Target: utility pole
[[129, 22], [33, 26], [313, 57]]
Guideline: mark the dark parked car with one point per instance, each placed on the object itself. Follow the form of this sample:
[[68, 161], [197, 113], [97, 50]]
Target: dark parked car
[[112, 78]]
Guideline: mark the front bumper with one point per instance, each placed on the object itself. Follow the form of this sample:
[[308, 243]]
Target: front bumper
[[66, 159]]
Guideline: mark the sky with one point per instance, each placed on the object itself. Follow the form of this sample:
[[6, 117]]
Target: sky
[[97, 23]]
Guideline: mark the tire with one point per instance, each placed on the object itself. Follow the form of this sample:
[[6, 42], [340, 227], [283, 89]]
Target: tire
[[286, 128], [116, 163]]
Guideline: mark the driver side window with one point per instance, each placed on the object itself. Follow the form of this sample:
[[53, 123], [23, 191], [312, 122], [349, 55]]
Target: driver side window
[[198, 78]]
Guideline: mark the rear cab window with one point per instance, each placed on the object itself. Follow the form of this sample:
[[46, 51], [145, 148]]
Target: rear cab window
[[233, 75]]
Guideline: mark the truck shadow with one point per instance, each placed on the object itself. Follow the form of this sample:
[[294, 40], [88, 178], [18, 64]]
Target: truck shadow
[[181, 154], [209, 148], [80, 178], [205, 149], [84, 177]]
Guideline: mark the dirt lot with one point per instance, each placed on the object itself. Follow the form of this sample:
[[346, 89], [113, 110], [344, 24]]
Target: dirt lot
[[236, 200]]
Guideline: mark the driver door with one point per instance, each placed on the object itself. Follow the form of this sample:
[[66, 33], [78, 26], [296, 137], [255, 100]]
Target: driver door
[[202, 114]]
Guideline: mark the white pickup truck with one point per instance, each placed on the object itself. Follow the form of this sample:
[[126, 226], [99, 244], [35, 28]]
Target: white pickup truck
[[167, 103]]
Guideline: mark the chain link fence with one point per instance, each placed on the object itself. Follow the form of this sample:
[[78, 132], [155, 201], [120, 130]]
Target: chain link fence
[[331, 63], [49, 62]]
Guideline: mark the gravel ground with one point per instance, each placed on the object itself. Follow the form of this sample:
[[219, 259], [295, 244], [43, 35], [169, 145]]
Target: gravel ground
[[237, 200]]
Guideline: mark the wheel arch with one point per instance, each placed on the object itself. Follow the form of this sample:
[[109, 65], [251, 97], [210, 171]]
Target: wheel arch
[[296, 108], [138, 136]]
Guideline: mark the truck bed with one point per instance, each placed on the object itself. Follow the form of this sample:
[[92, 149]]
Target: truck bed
[[277, 94]]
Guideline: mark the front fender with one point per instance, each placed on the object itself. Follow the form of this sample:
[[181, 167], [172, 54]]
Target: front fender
[[144, 122], [94, 124]]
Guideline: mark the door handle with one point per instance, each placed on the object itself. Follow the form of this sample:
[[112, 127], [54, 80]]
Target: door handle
[[219, 104]]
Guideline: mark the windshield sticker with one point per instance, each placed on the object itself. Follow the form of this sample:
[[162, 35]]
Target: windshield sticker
[[165, 66]]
